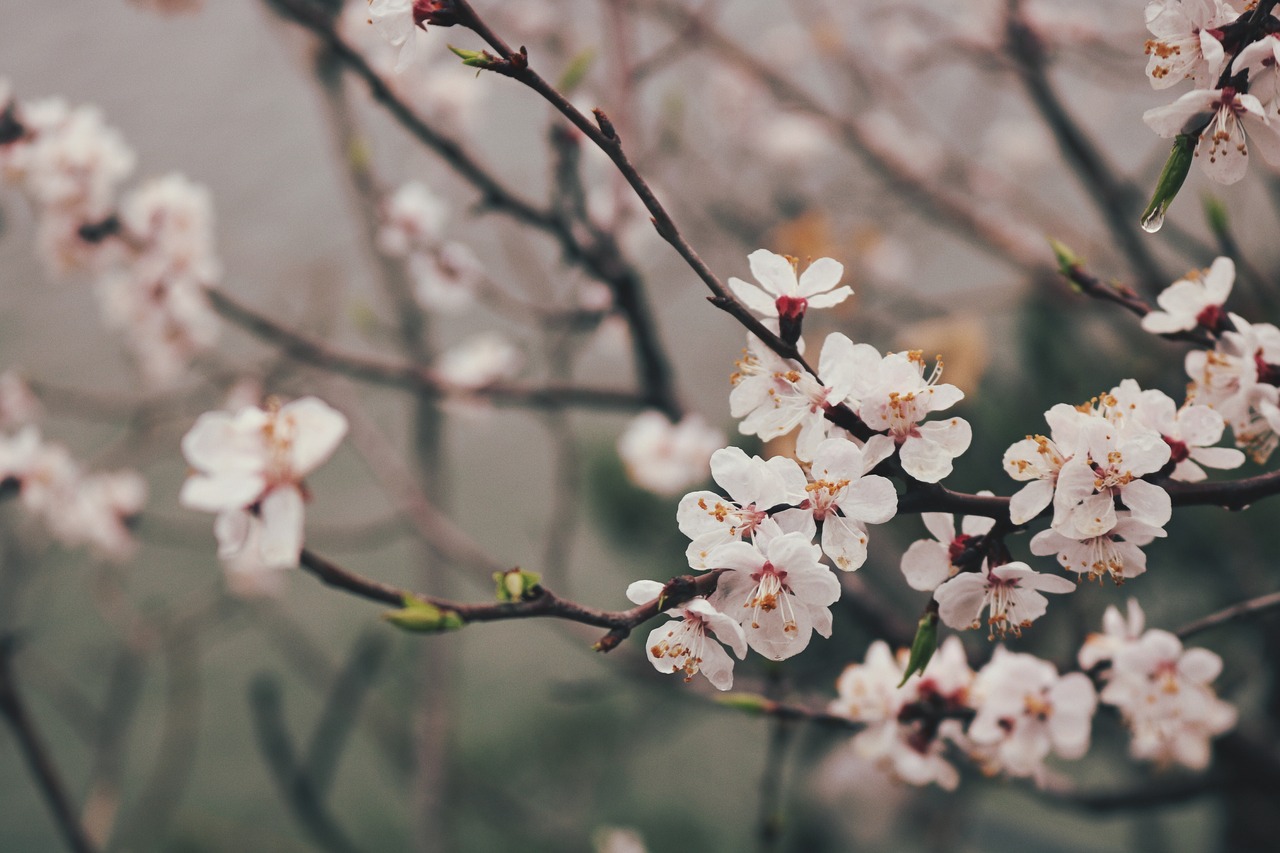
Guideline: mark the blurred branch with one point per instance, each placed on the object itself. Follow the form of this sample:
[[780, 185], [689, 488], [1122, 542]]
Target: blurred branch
[[1002, 238], [341, 710], [33, 749], [303, 800], [420, 380], [1112, 197], [1253, 607]]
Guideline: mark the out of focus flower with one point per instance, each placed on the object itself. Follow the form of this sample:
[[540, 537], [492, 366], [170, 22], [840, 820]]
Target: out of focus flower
[[479, 361], [665, 457]]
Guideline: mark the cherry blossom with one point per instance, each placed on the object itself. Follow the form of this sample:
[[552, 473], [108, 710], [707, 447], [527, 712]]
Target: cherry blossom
[[1010, 592], [1238, 379], [665, 457], [479, 361], [249, 466], [928, 563], [754, 487], [1187, 41], [897, 398], [18, 405], [1195, 300], [1229, 118], [907, 724], [1040, 459], [781, 294], [1262, 60], [682, 644], [445, 277], [845, 498], [399, 23], [777, 590], [1025, 710], [412, 217], [1164, 695], [1191, 433], [774, 396], [1112, 459], [1117, 632], [1116, 554]]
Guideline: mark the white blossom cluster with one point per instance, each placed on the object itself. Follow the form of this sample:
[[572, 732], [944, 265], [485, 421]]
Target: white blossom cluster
[[1236, 82], [445, 272], [150, 251], [78, 507]]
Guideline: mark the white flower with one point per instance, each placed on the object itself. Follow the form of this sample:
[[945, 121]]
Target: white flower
[[781, 293], [928, 563], [682, 645], [1193, 301], [397, 22], [1260, 59], [1117, 633], [896, 397], [1104, 555], [1025, 710], [665, 457], [1040, 460], [754, 487], [1164, 694], [1187, 41], [249, 468], [1010, 592], [480, 361], [908, 726], [412, 218], [773, 396], [1190, 433], [1238, 379], [777, 590], [845, 498], [18, 405], [1112, 459], [1227, 116], [445, 278]]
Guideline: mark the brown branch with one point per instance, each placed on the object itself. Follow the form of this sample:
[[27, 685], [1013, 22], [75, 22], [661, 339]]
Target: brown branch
[[1126, 298], [421, 381], [542, 602], [1251, 607], [33, 749], [1001, 238]]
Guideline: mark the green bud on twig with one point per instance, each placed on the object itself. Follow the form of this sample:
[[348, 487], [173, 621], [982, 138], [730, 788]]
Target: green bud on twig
[[752, 703], [1170, 181], [423, 617], [516, 584], [923, 646]]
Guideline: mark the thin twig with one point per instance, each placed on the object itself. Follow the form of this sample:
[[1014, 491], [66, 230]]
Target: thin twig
[[1252, 607], [33, 748]]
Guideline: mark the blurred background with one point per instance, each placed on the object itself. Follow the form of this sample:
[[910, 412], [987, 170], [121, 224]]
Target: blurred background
[[931, 148]]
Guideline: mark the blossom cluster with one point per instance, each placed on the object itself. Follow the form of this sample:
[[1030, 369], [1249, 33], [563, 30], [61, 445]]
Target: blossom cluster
[[150, 251], [445, 272], [1231, 61], [79, 508]]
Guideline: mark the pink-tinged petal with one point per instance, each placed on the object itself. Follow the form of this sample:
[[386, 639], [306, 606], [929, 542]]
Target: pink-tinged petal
[[1074, 702], [232, 530], [1224, 159], [1212, 51], [1048, 583], [817, 585], [1160, 323], [977, 525], [728, 631], [1184, 114], [223, 491], [221, 441], [1030, 501], [943, 397], [819, 277], [754, 298], [318, 430], [740, 556], [1264, 138], [642, 592], [822, 621], [845, 542], [736, 473], [837, 459], [716, 665], [1218, 457], [926, 565], [832, 299], [774, 272], [960, 600], [877, 449], [1148, 502], [1199, 666], [1222, 273], [871, 500], [793, 552], [941, 524], [1187, 471], [1200, 425], [281, 541], [696, 513]]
